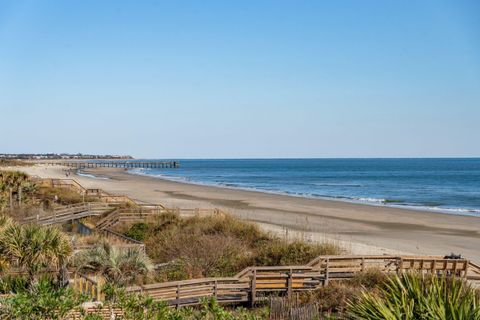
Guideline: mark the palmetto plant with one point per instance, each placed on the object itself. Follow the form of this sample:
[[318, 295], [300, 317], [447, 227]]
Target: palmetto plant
[[5, 222], [32, 248], [413, 296], [118, 265], [14, 182]]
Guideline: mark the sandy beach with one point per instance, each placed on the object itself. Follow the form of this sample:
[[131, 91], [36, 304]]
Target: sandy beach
[[360, 229]]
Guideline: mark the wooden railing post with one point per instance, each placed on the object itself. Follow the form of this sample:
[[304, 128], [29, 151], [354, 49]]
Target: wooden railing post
[[400, 266], [215, 293], [327, 271], [290, 284], [178, 295], [254, 287], [100, 294]]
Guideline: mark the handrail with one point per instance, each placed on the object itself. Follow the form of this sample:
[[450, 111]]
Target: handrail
[[70, 212], [122, 237], [86, 285]]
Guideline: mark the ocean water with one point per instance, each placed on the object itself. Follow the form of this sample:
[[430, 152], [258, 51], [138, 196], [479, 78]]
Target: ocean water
[[442, 185]]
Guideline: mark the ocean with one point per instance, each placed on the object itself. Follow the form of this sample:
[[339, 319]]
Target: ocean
[[444, 185]]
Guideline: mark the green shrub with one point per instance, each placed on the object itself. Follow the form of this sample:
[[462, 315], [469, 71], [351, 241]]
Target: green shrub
[[413, 296], [43, 300], [138, 231], [13, 284]]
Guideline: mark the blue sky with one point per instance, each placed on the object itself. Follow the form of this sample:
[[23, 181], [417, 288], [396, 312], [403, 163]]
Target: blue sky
[[221, 79]]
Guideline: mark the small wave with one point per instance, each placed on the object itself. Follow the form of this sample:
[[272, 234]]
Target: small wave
[[88, 175], [144, 172], [352, 185], [459, 211], [372, 200]]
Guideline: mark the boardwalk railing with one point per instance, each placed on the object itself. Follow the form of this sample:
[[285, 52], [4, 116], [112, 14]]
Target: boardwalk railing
[[255, 283], [69, 213], [88, 286], [191, 292], [143, 213], [127, 210], [118, 237], [98, 193]]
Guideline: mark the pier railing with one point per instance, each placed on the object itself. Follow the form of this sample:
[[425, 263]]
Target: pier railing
[[115, 164]]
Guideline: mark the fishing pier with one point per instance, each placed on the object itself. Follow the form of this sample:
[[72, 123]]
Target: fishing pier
[[117, 164]]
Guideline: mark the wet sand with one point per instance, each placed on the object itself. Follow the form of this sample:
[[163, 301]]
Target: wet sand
[[361, 229]]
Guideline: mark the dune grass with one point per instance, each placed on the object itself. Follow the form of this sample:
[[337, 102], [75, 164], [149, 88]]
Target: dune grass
[[217, 246]]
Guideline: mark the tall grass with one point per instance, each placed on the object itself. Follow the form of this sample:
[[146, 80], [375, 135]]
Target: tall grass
[[217, 246]]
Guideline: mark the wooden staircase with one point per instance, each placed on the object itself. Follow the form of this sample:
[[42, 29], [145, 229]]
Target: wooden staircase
[[69, 213]]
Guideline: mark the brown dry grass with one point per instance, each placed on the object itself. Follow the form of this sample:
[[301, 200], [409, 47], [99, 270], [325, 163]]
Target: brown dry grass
[[217, 246], [333, 298]]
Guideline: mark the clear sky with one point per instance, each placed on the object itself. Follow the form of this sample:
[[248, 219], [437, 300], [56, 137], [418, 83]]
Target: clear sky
[[249, 78]]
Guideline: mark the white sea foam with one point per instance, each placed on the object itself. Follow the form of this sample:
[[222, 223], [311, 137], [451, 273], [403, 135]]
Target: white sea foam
[[355, 185], [370, 200], [88, 175]]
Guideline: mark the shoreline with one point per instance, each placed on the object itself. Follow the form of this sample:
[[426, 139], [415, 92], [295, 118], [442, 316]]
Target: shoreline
[[360, 228], [449, 211]]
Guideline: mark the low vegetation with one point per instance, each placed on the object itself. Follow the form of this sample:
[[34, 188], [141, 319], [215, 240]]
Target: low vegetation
[[45, 299], [334, 298], [118, 266], [13, 163], [217, 246], [32, 248], [21, 196], [16, 189]]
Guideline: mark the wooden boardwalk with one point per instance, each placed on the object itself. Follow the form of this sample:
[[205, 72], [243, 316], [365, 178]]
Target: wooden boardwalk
[[116, 164], [257, 283], [113, 209]]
